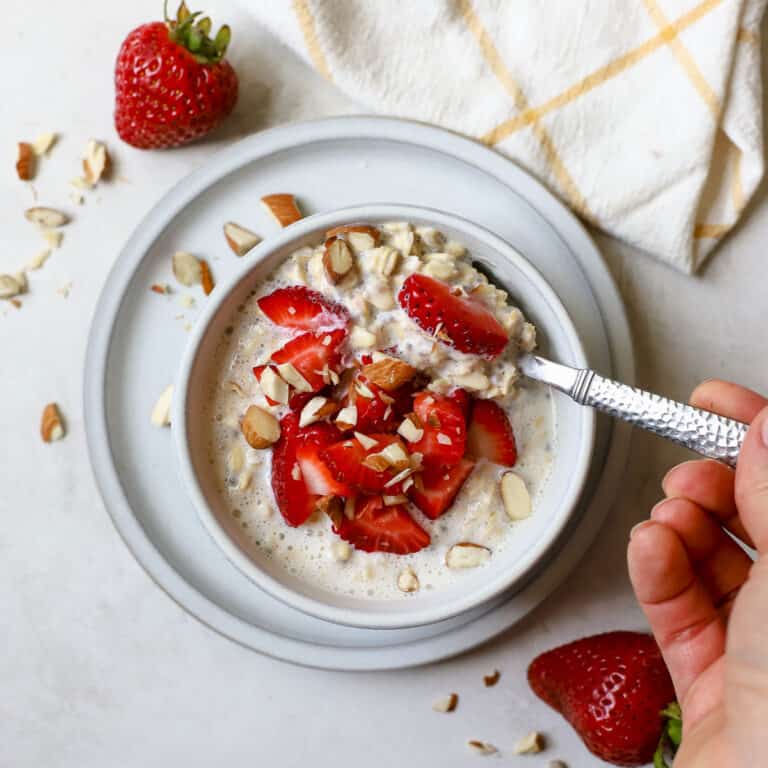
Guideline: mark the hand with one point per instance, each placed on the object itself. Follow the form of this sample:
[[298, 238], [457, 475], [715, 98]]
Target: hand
[[706, 601]]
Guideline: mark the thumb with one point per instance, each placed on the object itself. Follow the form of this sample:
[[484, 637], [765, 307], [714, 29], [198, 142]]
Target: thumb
[[746, 665], [752, 482]]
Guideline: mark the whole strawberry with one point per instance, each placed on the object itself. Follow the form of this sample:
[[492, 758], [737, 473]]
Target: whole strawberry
[[612, 689], [172, 84]]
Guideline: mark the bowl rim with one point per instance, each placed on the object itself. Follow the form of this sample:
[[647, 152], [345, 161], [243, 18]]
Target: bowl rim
[[396, 619]]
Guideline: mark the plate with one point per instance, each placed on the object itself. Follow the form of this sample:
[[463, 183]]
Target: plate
[[137, 339]]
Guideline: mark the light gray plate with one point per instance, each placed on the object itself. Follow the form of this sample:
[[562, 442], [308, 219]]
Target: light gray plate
[[136, 342]]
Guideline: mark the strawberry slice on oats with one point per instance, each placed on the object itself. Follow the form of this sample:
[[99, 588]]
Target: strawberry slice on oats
[[435, 488], [302, 308], [313, 355], [490, 434]]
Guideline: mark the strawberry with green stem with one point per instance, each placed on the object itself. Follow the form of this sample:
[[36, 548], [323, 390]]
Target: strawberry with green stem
[[172, 81]]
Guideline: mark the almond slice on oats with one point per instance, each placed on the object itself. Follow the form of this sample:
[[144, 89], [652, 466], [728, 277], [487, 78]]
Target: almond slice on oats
[[283, 208], [240, 239], [51, 424], [361, 338], [316, 409], [392, 501], [514, 494], [274, 386], [206, 279], [407, 581], [389, 374], [337, 260], [346, 229], [26, 161], [347, 418], [161, 412], [259, 427], [446, 704], [333, 507], [49, 218], [410, 429], [96, 162], [396, 456], [186, 268], [467, 555], [292, 376]]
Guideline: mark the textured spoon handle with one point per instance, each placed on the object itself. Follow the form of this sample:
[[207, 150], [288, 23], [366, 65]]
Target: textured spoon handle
[[701, 431]]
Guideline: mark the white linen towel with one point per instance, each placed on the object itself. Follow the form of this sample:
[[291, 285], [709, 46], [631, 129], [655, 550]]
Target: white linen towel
[[643, 115]]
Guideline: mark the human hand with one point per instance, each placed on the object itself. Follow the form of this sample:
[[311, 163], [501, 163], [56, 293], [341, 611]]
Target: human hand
[[705, 599]]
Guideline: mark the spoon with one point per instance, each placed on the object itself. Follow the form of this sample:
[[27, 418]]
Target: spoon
[[703, 432]]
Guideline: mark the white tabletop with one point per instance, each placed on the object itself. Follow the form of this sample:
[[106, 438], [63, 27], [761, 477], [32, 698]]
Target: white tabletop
[[99, 666]]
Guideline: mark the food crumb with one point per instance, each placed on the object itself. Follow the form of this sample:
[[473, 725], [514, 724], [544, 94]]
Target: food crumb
[[492, 679], [65, 289]]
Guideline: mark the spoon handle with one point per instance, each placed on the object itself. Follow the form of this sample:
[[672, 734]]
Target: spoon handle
[[701, 431], [706, 433]]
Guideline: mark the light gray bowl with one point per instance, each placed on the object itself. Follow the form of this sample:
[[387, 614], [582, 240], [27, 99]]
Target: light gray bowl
[[523, 552]]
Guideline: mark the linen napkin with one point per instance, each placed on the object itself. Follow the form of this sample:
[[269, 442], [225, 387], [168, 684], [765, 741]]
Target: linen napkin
[[644, 116]]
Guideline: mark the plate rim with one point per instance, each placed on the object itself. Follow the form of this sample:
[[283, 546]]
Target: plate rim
[[153, 224]]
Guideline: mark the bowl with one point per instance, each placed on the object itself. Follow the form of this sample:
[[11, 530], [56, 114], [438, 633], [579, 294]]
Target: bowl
[[523, 553]]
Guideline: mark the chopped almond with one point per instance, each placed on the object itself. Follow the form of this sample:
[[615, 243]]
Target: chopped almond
[[43, 143], [337, 260], [333, 506], [283, 208], [347, 418], [316, 409], [161, 288], [389, 374], [186, 268], [161, 412], [240, 239], [481, 747], [491, 680], [26, 162], [467, 555], [47, 218], [346, 229], [51, 424], [446, 703], [259, 427], [96, 162], [407, 581], [206, 279]]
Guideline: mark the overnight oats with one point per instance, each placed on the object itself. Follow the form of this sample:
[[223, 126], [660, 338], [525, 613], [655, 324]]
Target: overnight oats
[[368, 427]]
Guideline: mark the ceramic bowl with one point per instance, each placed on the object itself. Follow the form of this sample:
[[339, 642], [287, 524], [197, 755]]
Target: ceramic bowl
[[524, 552]]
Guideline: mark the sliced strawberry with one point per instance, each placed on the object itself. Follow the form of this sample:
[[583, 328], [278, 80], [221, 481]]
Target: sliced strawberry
[[310, 353], [345, 462], [318, 478], [294, 499], [464, 323], [490, 434], [300, 307], [378, 528], [436, 488], [258, 370], [461, 398], [445, 432], [374, 414]]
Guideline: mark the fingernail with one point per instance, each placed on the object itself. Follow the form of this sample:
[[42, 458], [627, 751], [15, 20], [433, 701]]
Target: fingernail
[[638, 526], [764, 432], [657, 505]]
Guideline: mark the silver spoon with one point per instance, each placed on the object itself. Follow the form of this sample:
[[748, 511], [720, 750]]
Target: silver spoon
[[701, 431]]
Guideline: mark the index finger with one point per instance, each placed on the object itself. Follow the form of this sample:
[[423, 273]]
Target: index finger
[[728, 399]]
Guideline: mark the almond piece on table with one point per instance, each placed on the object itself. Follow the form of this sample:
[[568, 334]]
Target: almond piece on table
[[26, 162], [240, 239], [283, 208], [446, 704], [389, 374], [95, 162], [38, 259], [259, 427], [10, 286], [161, 413], [514, 494], [186, 268], [467, 555], [530, 744], [491, 680], [337, 260], [206, 279], [482, 748], [48, 218], [43, 143], [51, 424], [53, 237]]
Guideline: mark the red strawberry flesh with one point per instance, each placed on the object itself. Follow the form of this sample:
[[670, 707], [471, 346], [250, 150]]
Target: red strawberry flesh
[[442, 420], [302, 308], [611, 689], [437, 487], [345, 461], [490, 434], [462, 322], [310, 353], [378, 528]]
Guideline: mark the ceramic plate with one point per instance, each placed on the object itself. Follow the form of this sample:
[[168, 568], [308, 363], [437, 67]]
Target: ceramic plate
[[137, 339]]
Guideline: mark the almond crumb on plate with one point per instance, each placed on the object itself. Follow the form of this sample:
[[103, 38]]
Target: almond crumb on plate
[[26, 162], [161, 412], [51, 424], [446, 703], [283, 208], [206, 278], [482, 748], [240, 239], [492, 679], [530, 744], [186, 268], [48, 218], [161, 288], [43, 144], [96, 162]]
